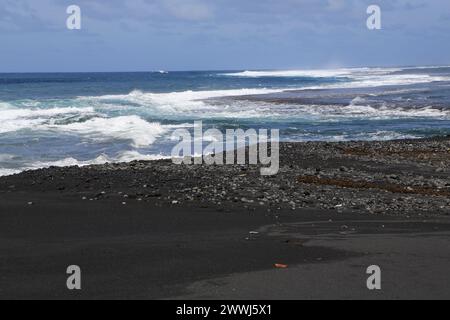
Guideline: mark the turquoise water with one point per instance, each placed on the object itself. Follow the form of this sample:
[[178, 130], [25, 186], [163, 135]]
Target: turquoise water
[[78, 119]]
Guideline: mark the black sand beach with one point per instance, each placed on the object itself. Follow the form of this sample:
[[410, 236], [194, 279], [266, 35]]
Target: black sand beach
[[155, 230]]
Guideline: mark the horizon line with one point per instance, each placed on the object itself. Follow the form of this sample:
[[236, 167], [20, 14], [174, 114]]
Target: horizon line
[[228, 70]]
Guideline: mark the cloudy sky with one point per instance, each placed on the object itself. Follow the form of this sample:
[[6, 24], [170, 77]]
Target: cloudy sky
[[143, 35]]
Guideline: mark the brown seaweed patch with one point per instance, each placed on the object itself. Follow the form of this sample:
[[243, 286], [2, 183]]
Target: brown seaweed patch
[[394, 188]]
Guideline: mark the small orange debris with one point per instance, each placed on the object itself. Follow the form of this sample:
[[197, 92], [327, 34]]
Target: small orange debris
[[281, 266]]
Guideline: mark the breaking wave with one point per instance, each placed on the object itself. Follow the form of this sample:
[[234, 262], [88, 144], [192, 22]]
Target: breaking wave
[[357, 77], [324, 73], [110, 122], [133, 128], [14, 119]]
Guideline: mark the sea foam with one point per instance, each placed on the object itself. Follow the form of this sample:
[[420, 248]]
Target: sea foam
[[133, 128], [125, 156], [359, 77]]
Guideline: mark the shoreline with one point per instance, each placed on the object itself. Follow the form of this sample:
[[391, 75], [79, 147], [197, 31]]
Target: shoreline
[[156, 230], [403, 175]]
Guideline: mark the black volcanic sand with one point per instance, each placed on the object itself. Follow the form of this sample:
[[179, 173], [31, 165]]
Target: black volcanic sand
[[156, 230]]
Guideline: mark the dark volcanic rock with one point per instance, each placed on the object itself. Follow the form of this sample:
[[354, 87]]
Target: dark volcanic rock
[[396, 177]]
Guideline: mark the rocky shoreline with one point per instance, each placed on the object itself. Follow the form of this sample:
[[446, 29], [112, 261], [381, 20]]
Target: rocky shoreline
[[404, 177], [156, 230]]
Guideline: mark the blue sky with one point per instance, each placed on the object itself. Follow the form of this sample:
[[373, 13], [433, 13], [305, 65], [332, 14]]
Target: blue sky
[[143, 35]]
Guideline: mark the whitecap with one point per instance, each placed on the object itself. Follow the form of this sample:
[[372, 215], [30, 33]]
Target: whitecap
[[313, 73], [358, 77], [14, 119], [133, 128]]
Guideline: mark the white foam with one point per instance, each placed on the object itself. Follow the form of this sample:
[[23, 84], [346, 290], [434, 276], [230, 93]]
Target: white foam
[[360, 77], [314, 73], [98, 128], [357, 109], [323, 113], [363, 136], [68, 162], [387, 80], [195, 105], [180, 98], [374, 136], [14, 113], [425, 67], [14, 119], [133, 128], [185, 104], [357, 100], [133, 155], [8, 172], [126, 156]]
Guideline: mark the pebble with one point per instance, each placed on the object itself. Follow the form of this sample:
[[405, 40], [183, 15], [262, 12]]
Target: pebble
[[242, 186]]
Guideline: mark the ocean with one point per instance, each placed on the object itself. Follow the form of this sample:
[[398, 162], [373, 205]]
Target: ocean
[[92, 118]]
